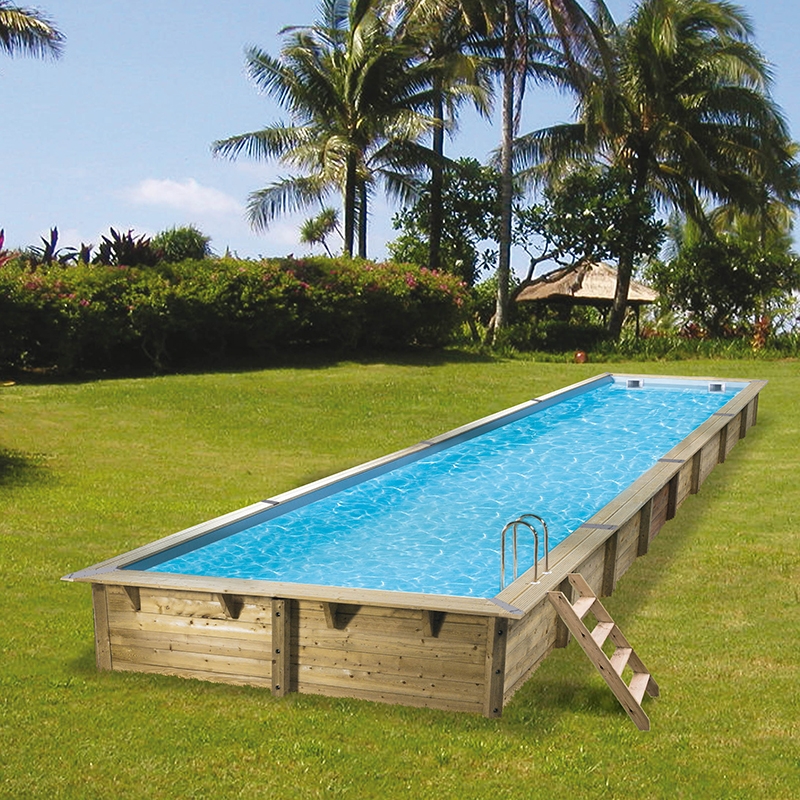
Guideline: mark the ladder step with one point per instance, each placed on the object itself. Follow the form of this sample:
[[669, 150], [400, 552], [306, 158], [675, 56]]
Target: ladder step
[[602, 631], [638, 685], [619, 659], [583, 605]]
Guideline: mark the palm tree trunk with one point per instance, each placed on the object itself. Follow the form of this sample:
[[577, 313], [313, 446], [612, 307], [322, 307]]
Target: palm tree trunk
[[437, 180], [506, 173], [350, 206], [627, 258], [362, 220], [620, 305]]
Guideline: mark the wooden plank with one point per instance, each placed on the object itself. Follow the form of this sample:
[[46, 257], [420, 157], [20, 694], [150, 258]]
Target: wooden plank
[[329, 610], [645, 523], [529, 643], [164, 623], [709, 457], [519, 680], [281, 641], [134, 598], [723, 445], [672, 497], [497, 635], [197, 605], [562, 631], [732, 436], [231, 605], [658, 514], [431, 623], [451, 651], [391, 627], [102, 645], [609, 580], [397, 664], [684, 483], [186, 660], [462, 703], [312, 677], [213, 677], [694, 486], [191, 643]]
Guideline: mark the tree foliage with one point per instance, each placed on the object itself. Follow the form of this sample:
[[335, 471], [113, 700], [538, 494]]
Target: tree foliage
[[588, 215], [730, 282], [685, 110], [356, 101], [469, 217]]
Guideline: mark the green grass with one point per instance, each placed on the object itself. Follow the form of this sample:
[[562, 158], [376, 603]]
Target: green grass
[[91, 469]]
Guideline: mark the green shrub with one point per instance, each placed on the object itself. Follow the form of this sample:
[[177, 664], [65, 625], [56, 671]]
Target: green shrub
[[125, 249], [178, 244], [98, 316]]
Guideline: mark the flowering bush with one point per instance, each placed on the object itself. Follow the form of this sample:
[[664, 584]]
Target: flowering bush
[[101, 316]]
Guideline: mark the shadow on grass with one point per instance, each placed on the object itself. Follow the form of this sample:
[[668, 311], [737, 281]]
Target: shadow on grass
[[18, 469], [85, 664], [291, 358]]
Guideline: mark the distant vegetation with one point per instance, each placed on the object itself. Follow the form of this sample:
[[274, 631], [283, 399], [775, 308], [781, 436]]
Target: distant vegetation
[[132, 305], [674, 103], [167, 302]]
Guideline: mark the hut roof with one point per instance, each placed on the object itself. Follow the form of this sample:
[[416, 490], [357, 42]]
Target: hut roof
[[590, 284]]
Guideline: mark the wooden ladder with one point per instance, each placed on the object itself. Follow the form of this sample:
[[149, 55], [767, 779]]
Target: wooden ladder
[[629, 694]]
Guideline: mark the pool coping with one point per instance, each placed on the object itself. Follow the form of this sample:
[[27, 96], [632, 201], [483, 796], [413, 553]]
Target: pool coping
[[514, 601]]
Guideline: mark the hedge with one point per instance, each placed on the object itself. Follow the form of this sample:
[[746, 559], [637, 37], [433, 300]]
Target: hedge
[[91, 316]]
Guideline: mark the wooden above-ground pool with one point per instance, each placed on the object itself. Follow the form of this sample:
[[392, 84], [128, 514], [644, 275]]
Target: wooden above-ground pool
[[418, 638]]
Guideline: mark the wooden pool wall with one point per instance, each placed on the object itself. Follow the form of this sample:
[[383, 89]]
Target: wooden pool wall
[[453, 653]]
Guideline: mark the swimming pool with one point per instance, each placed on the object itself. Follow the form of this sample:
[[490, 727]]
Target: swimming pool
[[382, 581]]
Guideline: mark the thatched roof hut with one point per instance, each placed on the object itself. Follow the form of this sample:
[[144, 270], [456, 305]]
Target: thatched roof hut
[[589, 284], [584, 284]]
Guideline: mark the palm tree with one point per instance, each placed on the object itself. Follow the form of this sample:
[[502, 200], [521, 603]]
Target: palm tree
[[685, 112], [355, 98], [559, 29], [28, 32], [317, 229], [458, 71]]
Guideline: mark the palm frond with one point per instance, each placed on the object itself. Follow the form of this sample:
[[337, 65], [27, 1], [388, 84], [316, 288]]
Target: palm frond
[[28, 32], [284, 196]]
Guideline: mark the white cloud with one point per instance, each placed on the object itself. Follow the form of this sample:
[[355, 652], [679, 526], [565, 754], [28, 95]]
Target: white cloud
[[187, 195]]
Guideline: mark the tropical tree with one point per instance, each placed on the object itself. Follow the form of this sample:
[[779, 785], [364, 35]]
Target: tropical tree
[[459, 70], [356, 98], [316, 230], [469, 219], [585, 216], [685, 111], [27, 31], [730, 282], [547, 39]]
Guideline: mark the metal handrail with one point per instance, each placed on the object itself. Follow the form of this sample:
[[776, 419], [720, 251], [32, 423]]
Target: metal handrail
[[514, 524], [546, 545]]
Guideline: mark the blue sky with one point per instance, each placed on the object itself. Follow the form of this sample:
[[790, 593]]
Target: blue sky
[[118, 132]]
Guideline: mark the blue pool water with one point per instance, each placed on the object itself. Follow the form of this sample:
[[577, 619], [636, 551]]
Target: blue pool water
[[434, 525]]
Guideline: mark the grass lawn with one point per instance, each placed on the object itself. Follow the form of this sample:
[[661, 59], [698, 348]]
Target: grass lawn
[[91, 469]]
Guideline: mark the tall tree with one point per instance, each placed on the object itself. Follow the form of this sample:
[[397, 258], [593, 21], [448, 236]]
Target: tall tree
[[356, 99], [459, 70], [527, 29], [27, 31], [685, 111]]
